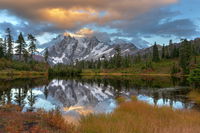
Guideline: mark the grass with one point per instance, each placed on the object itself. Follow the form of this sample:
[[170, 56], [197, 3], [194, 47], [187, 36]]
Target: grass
[[139, 117], [130, 117], [21, 74], [161, 68], [12, 120], [195, 96]]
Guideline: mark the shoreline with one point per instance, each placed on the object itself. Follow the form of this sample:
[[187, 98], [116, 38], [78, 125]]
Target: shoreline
[[131, 74], [22, 74], [34, 74]]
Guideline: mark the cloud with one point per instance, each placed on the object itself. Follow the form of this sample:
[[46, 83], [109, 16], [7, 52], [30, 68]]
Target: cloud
[[5, 25], [28, 27], [159, 22], [132, 19], [85, 32], [72, 13]]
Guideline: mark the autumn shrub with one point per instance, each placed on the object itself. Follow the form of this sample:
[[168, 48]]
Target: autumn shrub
[[12, 120], [55, 120]]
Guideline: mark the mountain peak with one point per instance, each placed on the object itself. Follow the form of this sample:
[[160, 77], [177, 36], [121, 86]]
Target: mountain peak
[[67, 49]]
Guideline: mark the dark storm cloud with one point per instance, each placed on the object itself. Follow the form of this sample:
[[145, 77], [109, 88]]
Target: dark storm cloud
[[5, 25], [157, 22], [29, 27]]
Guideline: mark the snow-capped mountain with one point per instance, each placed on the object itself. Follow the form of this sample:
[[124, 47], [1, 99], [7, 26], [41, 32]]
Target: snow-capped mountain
[[67, 49]]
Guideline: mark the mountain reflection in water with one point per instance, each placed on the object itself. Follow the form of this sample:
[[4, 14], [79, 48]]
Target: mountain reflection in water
[[75, 97]]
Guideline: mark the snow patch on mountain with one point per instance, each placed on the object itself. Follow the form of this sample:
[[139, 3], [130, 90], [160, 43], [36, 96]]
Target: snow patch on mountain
[[67, 49]]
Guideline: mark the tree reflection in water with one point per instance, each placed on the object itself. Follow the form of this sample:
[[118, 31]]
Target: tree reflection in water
[[91, 91]]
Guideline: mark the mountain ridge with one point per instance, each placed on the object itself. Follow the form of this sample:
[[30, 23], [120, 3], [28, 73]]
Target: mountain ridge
[[68, 49]]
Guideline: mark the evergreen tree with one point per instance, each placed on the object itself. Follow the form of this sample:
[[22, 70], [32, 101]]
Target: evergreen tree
[[155, 53], [194, 77], [99, 64], [194, 53], [167, 52], [117, 57], [46, 55], [137, 58], [25, 55], [126, 61], [105, 63], [175, 52], [9, 41], [1, 52], [163, 51], [32, 46], [171, 47], [185, 55], [4, 46], [21, 47], [1, 48]]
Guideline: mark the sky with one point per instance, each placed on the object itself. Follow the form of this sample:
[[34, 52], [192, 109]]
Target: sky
[[141, 22]]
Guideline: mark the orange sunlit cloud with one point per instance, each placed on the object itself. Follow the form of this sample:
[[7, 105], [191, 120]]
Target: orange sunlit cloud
[[70, 13]]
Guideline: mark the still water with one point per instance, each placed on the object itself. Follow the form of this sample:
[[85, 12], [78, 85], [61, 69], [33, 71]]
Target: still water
[[80, 96]]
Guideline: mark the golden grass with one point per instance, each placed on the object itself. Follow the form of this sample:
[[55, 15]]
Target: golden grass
[[139, 117], [123, 74], [21, 74], [130, 117], [195, 96]]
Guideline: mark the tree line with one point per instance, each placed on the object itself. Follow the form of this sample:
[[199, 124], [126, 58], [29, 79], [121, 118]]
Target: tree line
[[184, 51], [18, 54], [22, 50]]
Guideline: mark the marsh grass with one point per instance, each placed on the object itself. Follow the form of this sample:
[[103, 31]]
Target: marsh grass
[[195, 96], [12, 74], [139, 117]]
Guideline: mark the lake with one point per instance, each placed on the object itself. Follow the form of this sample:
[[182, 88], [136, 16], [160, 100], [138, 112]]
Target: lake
[[83, 95]]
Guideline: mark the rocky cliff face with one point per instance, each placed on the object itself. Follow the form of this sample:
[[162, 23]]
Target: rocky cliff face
[[67, 49]]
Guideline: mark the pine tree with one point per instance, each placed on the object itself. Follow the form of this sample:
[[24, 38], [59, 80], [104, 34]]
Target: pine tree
[[155, 53], [117, 57], [46, 55], [21, 47], [4, 47], [171, 47], [175, 52], [99, 64], [32, 46], [167, 52], [126, 61], [1, 48], [9, 41], [105, 63], [137, 58], [194, 76], [185, 56], [25, 55], [163, 51]]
